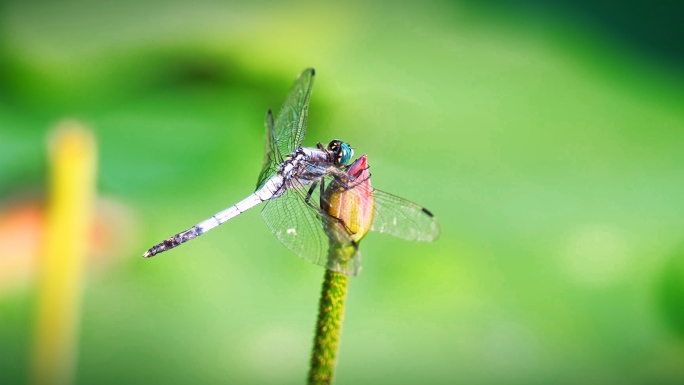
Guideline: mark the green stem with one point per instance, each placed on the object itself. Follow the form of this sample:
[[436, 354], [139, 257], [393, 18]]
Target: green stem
[[328, 327]]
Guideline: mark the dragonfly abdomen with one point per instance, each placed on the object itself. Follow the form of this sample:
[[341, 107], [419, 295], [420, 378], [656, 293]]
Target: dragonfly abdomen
[[272, 188], [174, 241]]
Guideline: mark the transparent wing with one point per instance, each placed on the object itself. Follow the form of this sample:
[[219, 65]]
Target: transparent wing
[[313, 235], [272, 158], [391, 215], [402, 218], [290, 124]]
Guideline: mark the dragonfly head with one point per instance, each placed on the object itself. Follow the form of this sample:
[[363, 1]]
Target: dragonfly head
[[341, 152]]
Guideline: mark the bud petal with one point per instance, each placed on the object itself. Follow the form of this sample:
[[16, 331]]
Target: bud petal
[[353, 203]]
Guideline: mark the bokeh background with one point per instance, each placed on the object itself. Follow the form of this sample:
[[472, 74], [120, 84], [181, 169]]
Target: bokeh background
[[549, 142]]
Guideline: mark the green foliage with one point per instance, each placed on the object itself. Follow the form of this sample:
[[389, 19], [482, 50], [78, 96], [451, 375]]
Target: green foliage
[[550, 153], [671, 293]]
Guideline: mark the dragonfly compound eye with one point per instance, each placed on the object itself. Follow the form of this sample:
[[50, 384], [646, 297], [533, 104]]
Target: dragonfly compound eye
[[341, 152], [334, 146], [345, 154]]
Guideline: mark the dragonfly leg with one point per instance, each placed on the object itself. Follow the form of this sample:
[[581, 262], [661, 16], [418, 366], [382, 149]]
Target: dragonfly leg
[[358, 182], [311, 190], [341, 222], [344, 182], [324, 204]]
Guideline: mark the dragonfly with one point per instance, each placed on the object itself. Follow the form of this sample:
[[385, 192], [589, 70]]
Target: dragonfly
[[296, 184]]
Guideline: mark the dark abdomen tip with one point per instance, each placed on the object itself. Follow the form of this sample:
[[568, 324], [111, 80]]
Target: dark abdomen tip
[[174, 241]]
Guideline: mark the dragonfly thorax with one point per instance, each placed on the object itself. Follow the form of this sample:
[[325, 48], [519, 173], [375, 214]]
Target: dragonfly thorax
[[304, 166], [292, 163]]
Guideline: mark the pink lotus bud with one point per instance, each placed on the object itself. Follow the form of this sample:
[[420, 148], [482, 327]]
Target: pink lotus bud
[[353, 203]]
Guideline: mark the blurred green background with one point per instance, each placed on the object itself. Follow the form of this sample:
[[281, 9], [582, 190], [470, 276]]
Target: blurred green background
[[549, 144]]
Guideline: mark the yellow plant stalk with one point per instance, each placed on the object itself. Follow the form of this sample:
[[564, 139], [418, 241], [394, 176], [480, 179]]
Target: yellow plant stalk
[[72, 165]]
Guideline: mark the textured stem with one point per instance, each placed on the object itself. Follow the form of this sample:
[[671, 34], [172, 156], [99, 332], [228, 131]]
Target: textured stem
[[328, 327]]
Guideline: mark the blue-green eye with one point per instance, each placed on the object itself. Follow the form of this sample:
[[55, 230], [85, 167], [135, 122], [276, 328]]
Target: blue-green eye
[[341, 152], [346, 154]]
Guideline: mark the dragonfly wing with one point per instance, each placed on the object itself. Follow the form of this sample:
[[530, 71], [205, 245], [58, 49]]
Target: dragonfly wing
[[391, 215], [272, 157], [402, 218], [313, 235], [290, 124]]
